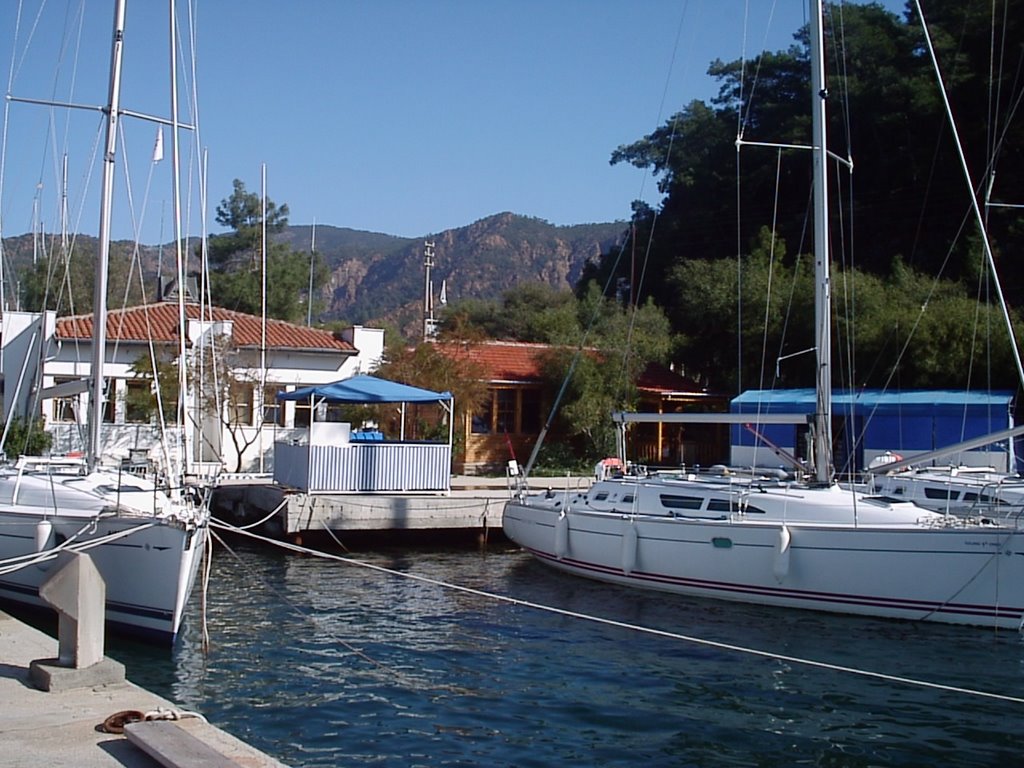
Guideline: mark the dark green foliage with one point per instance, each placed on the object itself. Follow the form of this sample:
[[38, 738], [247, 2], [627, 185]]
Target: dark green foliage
[[65, 283], [236, 261], [144, 401], [559, 460], [617, 344], [907, 203], [27, 438]]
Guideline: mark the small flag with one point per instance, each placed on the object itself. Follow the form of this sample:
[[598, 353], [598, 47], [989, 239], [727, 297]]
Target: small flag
[[443, 298], [158, 148]]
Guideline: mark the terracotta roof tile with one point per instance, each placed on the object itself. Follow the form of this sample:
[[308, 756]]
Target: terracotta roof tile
[[504, 361], [159, 323], [507, 361]]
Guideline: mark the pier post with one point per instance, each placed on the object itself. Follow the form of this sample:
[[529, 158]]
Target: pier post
[[78, 593]]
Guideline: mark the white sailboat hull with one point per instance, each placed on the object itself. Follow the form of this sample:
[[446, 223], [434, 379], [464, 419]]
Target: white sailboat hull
[[148, 559], [958, 490], [897, 569]]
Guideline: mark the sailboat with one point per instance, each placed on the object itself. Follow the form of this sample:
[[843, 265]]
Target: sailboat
[[775, 542], [145, 538]]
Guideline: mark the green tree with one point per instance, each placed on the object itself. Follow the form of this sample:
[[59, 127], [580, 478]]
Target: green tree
[[163, 387], [27, 437], [235, 260], [423, 366]]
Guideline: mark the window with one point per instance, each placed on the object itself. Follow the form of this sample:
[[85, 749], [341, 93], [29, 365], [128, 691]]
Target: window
[[138, 401], [240, 406], [530, 416], [64, 407], [505, 411], [681, 502], [109, 401], [273, 410], [303, 412], [482, 421]]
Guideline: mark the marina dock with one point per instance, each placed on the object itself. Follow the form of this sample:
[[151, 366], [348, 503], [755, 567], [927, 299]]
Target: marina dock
[[65, 727], [474, 504]]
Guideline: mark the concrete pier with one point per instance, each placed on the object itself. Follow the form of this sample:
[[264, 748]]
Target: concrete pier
[[473, 504], [64, 728]]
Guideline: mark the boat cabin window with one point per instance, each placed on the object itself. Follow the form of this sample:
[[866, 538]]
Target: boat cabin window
[[670, 501], [941, 493], [720, 505], [627, 499], [984, 497], [603, 496]]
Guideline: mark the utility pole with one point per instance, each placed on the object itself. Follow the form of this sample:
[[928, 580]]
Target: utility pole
[[429, 323]]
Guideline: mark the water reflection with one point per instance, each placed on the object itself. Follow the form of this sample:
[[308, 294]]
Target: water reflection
[[322, 663]]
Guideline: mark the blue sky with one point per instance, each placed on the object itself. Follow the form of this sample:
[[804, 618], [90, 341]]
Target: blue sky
[[400, 116]]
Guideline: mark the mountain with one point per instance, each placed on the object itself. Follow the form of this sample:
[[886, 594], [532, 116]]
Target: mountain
[[376, 277]]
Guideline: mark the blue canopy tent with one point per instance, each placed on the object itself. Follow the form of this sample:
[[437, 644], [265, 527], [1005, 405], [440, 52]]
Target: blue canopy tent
[[330, 463], [366, 389]]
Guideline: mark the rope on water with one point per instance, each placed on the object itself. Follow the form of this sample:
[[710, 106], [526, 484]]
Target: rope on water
[[283, 598], [634, 627]]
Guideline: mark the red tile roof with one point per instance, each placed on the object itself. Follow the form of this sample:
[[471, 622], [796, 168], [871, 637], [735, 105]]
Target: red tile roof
[[501, 361], [515, 361], [159, 323]]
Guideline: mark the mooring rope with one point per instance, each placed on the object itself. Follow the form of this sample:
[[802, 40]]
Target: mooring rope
[[35, 558], [731, 647]]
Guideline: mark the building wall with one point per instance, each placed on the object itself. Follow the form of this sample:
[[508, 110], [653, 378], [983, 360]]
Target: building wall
[[506, 427], [243, 443]]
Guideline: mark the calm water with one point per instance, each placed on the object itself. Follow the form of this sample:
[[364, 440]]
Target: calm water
[[325, 664]]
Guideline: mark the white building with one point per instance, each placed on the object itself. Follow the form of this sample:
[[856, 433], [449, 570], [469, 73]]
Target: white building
[[232, 407]]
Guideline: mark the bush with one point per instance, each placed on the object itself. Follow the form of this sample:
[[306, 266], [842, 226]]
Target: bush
[[559, 459], [27, 438]]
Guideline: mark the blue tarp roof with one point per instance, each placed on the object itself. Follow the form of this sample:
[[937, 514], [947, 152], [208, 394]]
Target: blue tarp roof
[[870, 398], [366, 389]]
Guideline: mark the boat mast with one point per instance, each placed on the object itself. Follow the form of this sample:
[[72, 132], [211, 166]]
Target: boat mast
[[99, 301], [822, 295]]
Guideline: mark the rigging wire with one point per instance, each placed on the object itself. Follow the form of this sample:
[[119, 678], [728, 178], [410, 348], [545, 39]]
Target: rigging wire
[[694, 640], [990, 258]]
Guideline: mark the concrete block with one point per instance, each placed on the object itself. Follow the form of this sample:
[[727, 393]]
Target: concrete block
[[77, 590], [170, 746], [53, 676]]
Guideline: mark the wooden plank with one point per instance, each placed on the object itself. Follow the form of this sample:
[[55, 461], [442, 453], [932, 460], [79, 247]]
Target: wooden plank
[[173, 747]]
